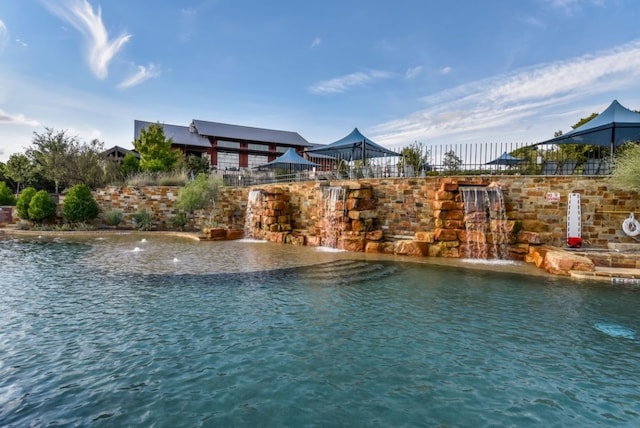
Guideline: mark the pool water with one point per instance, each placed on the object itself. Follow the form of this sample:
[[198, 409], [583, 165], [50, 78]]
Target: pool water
[[157, 331]]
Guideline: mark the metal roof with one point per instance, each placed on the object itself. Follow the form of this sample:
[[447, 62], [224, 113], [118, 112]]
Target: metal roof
[[179, 134], [247, 133]]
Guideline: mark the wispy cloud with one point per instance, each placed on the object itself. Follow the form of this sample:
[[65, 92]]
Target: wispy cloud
[[143, 73], [4, 34], [513, 102], [413, 72], [570, 6], [345, 83], [316, 42], [445, 70], [187, 24], [81, 15], [16, 119]]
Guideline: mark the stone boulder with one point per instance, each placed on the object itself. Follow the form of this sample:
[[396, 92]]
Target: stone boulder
[[559, 262]]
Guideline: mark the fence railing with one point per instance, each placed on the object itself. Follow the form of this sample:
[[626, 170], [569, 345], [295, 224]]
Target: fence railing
[[442, 160]]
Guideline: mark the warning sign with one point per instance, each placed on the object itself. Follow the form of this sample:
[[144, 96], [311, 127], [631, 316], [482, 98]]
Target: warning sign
[[552, 197]]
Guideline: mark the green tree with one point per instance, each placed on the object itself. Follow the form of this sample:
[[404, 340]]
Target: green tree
[[41, 207], [22, 205], [79, 205], [197, 164], [19, 169], [51, 153], [451, 162], [155, 150], [130, 165], [416, 155], [86, 164], [6, 195]]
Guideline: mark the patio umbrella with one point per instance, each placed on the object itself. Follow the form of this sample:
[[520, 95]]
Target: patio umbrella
[[613, 127], [505, 159], [290, 160], [354, 146]]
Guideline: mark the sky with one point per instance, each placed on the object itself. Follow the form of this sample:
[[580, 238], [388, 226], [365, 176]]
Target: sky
[[402, 71]]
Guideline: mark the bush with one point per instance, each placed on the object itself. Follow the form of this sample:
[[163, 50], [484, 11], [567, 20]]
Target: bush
[[113, 217], [41, 207], [79, 205], [626, 169], [22, 205], [180, 220], [143, 220], [6, 195]]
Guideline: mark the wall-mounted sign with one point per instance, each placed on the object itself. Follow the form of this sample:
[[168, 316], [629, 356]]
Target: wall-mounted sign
[[552, 197]]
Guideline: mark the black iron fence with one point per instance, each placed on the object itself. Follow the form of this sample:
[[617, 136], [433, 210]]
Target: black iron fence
[[418, 160]]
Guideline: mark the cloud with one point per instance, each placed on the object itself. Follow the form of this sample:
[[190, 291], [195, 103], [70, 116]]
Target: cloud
[[413, 72], [570, 6], [345, 83], [4, 34], [80, 14], [445, 70], [16, 119], [143, 73], [22, 43], [512, 103], [188, 19], [316, 42]]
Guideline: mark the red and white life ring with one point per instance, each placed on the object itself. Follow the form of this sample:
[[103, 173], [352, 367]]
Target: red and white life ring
[[631, 226]]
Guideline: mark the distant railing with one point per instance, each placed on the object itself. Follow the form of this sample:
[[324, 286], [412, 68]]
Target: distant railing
[[442, 160]]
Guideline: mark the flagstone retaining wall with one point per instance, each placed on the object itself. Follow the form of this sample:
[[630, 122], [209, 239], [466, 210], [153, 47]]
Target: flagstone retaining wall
[[537, 205]]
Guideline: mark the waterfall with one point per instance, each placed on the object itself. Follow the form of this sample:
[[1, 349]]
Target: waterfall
[[486, 226], [254, 203], [331, 220]]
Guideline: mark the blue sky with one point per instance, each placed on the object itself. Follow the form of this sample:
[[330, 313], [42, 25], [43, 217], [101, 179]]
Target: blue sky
[[401, 71]]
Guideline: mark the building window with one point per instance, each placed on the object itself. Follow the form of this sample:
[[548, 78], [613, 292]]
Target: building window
[[257, 160], [281, 149], [258, 147], [229, 144], [228, 161]]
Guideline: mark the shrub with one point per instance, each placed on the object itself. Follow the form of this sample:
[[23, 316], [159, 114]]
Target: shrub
[[180, 220], [143, 220], [22, 205], [626, 169], [113, 217], [6, 195], [79, 205], [41, 207]]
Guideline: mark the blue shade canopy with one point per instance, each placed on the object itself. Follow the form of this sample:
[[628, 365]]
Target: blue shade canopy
[[613, 127], [354, 146], [290, 160], [505, 159]]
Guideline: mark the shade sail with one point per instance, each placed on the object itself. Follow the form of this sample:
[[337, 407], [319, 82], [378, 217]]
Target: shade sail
[[290, 160], [505, 159], [613, 127], [354, 146]]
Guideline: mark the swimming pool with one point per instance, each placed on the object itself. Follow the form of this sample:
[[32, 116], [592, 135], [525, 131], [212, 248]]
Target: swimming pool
[[147, 330]]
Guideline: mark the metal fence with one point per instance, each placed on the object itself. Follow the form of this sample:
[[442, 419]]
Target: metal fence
[[418, 160]]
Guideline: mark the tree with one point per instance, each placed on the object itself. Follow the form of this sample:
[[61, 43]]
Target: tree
[[19, 169], [130, 165], [41, 207], [79, 204], [451, 162], [197, 164], [51, 154], [22, 205], [417, 156], [85, 164], [155, 150], [6, 195]]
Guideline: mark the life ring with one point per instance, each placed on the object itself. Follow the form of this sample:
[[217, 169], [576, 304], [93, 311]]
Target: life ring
[[631, 226]]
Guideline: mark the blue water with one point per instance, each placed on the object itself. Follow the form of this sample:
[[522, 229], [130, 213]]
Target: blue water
[[94, 332]]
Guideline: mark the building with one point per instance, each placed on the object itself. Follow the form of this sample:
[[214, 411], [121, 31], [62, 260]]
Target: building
[[229, 147]]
